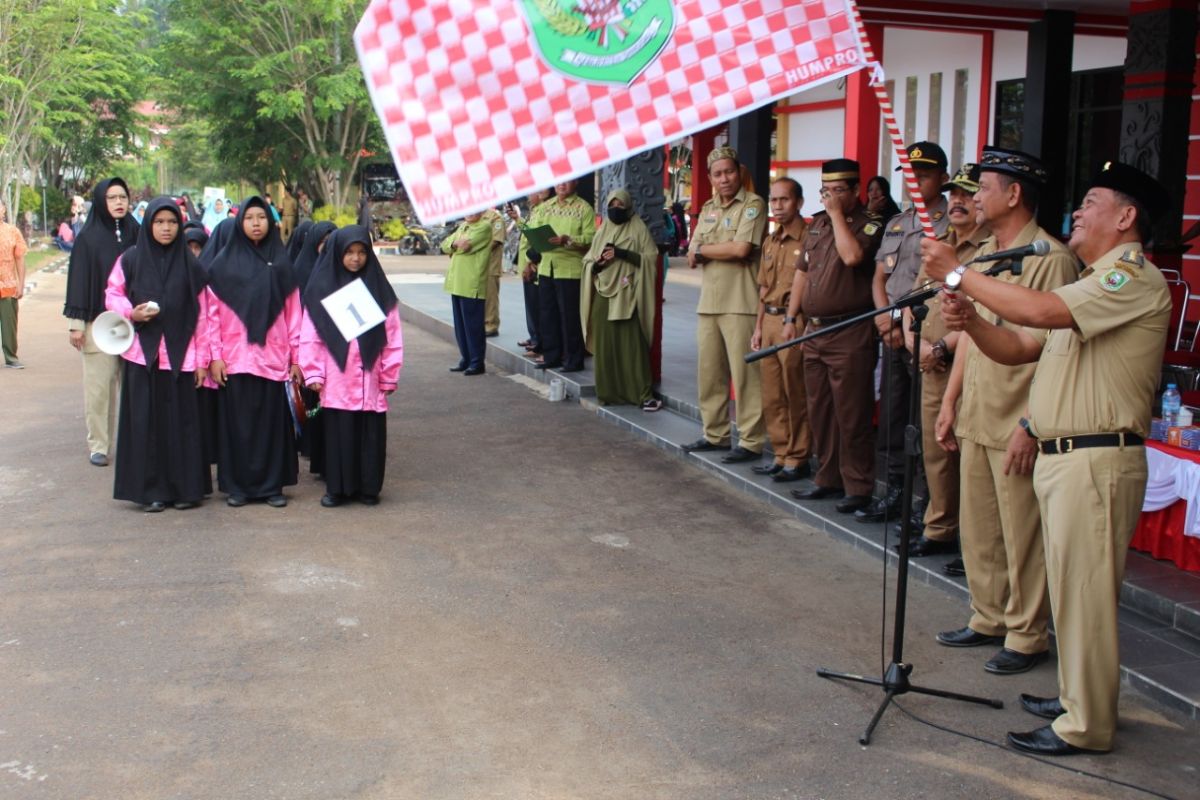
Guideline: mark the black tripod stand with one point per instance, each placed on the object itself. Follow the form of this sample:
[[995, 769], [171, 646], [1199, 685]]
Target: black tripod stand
[[895, 678]]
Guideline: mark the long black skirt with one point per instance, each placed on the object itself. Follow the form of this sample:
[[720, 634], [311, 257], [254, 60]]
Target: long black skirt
[[355, 451], [160, 448], [312, 437], [207, 400], [256, 455]]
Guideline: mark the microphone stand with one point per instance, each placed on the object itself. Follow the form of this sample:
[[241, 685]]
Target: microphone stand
[[895, 678]]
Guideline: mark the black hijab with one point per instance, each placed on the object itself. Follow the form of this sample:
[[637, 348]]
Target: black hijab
[[194, 233], [99, 242], [216, 241], [253, 280], [296, 240], [302, 267], [170, 276], [329, 275]]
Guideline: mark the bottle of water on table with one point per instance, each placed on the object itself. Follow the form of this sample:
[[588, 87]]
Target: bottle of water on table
[[1171, 402]]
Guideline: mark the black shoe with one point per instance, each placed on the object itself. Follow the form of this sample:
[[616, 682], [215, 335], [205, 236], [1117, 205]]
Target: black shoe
[[789, 474], [702, 445], [1045, 742], [235, 501], [458, 368], [572, 369], [473, 371], [1014, 662], [1044, 707], [965, 637], [547, 366], [331, 501], [767, 469], [921, 547], [184, 505], [739, 454], [369, 499], [954, 568], [881, 508], [98, 460], [818, 493], [277, 501], [155, 507], [917, 521], [853, 502]]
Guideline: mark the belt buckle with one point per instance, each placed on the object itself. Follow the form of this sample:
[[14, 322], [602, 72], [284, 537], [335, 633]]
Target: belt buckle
[[1069, 447]]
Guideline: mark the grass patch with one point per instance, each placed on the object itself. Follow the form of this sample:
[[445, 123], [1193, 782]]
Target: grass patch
[[36, 259]]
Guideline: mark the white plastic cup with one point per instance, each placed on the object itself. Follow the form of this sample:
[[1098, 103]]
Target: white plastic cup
[[558, 390]]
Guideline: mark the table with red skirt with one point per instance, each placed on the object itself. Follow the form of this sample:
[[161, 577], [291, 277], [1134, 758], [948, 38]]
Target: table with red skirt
[[1166, 529]]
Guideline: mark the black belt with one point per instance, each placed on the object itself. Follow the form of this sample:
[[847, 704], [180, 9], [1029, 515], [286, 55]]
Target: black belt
[[824, 322], [1065, 444], [775, 311]]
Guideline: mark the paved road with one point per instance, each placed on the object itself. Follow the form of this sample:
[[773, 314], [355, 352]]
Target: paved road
[[541, 607]]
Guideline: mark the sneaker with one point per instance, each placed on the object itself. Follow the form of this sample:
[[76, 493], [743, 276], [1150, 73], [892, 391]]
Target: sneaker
[[14, 365]]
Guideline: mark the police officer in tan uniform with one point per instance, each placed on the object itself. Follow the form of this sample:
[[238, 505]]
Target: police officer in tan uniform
[[939, 523], [896, 267], [491, 305], [832, 284], [1001, 529], [726, 243], [784, 405], [1089, 411]]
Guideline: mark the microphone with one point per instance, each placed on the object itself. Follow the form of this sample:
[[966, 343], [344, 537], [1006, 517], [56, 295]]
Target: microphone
[[1039, 248]]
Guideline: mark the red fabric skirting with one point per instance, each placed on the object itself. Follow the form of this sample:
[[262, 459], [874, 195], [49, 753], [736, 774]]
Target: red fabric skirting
[[1160, 533]]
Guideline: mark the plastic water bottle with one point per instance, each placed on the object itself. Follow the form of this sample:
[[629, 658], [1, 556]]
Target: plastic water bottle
[[1171, 401]]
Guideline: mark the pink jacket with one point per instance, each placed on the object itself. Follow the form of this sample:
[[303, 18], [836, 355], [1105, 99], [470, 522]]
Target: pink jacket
[[197, 355], [231, 345], [354, 389]]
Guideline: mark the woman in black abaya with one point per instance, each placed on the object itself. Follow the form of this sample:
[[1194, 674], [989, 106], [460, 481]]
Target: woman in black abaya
[[312, 438]]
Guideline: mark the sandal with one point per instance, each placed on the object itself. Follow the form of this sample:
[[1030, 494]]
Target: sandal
[[652, 405]]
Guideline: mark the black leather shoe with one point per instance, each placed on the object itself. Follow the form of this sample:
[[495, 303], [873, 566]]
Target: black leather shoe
[[1014, 662], [277, 501], [881, 508], [565, 370], [702, 445], [473, 371], [458, 368], [1044, 707], [818, 493], [369, 499], [184, 505], [739, 454], [155, 507], [547, 366], [853, 502], [767, 469], [918, 524], [1045, 742], [954, 568], [235, 501], [789, 474], [921, 547], [965, 637], [331, 501]]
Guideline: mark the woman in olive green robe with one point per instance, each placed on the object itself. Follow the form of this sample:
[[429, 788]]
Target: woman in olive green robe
[[469, 248], [617, 306]]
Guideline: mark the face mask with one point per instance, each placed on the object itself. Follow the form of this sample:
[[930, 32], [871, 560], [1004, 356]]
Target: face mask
[[619, 216]]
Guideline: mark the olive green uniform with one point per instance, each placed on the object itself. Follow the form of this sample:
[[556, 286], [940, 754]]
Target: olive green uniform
[[491, 308]]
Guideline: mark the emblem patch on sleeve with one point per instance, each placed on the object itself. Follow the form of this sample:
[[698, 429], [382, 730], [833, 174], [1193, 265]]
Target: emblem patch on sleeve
[[751, 212], [1113, 280], [870, 228]]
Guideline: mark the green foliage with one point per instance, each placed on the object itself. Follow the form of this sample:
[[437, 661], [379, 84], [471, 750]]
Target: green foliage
[[394, 230], [338, 215]]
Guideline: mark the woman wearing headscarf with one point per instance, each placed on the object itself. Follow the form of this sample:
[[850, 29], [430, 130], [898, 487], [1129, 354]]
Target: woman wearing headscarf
[[353, 377], [213, 213], [617, 304], [139, 211], [195, 238], [312, 437], [254, 313], [108, 231], [296, 240], [218, 237], [159, 286]]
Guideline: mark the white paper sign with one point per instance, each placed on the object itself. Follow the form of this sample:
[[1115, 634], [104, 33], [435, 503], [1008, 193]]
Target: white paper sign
[[353, 309], [213, 193]]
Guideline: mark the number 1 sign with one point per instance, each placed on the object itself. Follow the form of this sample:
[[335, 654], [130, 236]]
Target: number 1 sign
[[353, 309]]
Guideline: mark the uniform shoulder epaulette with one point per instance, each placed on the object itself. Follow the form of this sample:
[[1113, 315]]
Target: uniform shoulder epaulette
[[1132, 258]]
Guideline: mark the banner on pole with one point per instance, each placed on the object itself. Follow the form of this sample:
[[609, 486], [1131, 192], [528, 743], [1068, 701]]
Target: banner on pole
[[483, 101]]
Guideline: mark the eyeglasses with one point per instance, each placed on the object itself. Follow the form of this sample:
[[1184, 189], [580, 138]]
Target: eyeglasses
[[838, 190], [116, 196]]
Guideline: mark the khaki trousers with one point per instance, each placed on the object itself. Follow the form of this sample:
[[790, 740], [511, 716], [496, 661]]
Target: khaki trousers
[[491, 304], [1002, 551], [722, 340], [101, 383], [1090, 501], [785, 407], [941, 467]]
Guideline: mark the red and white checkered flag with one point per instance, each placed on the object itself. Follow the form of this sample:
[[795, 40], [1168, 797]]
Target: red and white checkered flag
[[483, 101]]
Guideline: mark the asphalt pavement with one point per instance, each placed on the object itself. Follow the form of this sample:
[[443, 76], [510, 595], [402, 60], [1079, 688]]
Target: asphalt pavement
[[541, 607]]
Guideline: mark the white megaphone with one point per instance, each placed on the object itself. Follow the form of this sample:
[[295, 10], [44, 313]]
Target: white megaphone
[[112, 333]]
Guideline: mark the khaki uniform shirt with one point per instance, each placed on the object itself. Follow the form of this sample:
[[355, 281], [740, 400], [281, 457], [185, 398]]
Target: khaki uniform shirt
[[995, 396], [572, 217], [780, 255], [833, 288], [934, 327], [496, 221], [900, 250], [1100, 376], [728, 287]]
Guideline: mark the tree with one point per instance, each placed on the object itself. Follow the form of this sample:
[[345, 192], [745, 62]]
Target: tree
[[286, 98]]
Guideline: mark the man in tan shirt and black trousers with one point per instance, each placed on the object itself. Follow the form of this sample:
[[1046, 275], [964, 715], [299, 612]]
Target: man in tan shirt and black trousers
[[784, 404], [1089, 411]]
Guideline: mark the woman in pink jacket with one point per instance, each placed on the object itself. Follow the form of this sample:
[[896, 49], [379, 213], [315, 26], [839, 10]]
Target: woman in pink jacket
[[254, 315], [353, 377], [159, 286]]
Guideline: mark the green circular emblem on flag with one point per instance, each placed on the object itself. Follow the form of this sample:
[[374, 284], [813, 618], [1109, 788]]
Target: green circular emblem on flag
[[602, 41]]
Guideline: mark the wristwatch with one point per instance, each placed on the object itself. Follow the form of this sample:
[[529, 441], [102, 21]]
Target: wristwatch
[[1024, 423], [788, 320], [955, 277]]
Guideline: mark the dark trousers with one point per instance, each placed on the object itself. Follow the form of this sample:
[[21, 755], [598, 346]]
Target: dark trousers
[[839, 379], [562, 333], [468, 330], [895, 390], [533, 322]]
